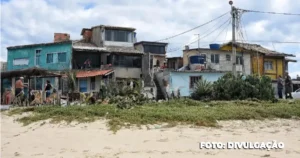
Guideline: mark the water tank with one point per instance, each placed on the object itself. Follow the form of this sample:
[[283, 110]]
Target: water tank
[[214, 46]]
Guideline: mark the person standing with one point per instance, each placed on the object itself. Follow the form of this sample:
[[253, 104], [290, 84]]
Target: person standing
[[19, 86], [279, 86], [288, 86], [48, 88]]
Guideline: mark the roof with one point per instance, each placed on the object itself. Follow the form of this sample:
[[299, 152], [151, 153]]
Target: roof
[[38, 44], [115, 27], [290, 60], [35, 71], [174, 57], [92, 73], [149, 42], [258, 48], [87, 46]]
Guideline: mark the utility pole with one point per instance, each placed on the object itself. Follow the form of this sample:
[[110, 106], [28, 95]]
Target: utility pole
[[198, 42], [234, 15]]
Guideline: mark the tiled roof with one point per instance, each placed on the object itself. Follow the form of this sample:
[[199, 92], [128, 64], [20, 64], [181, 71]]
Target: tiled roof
[[259, 49], [92, 73], [82, 45]]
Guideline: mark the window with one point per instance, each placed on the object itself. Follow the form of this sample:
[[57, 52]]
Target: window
[[228, 57], [239, 60], [83, 85], [268, 65], [93, 83], [128, 61], [37, 56], [118, 35], [215, 58], [62, 57], [154, 49], [49, 58], [21, 61], [194, 80]]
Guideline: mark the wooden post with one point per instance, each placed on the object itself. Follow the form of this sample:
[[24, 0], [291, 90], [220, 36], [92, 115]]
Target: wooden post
[[28, 90]]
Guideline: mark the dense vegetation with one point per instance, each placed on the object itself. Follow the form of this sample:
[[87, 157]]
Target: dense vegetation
[[229, 87]]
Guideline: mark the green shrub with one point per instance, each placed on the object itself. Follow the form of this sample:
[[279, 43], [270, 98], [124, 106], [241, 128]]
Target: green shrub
[[203, 89], [124, 96], [229, 87]]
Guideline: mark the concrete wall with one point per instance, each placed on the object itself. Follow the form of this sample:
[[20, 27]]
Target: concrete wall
[[181, 80], [29, 53], [97, 34], [223, 64], [120, 44], [121, 72], [160, 58]]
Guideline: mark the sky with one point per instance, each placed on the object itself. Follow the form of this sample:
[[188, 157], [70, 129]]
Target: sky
[[36, 21]]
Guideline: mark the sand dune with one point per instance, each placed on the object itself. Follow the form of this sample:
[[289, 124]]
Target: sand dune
[[93, 140]]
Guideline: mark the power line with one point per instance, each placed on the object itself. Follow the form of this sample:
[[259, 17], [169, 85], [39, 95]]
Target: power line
[[179, 48], [264, 12], [192, 28]]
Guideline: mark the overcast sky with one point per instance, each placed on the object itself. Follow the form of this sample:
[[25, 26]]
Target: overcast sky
[[35, 21]]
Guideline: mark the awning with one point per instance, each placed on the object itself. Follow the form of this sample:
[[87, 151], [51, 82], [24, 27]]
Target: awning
[[92, 73], [30, 72]]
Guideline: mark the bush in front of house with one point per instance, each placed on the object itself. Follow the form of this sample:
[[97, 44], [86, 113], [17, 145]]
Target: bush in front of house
[[203, 90], [124, 96], [229, 87]]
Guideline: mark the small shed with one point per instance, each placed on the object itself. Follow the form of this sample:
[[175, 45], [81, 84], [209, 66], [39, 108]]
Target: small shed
[[8, 77]]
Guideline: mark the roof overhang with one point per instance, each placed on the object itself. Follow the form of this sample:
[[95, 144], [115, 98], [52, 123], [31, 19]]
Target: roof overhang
[[151, 43], [39, 44], [92, 73], [290, 60]]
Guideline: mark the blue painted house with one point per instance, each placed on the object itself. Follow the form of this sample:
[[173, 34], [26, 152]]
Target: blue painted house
[[50, 56], [55, 56], [185, 80]]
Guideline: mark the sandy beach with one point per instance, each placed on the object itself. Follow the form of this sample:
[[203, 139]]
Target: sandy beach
[[94, 140]]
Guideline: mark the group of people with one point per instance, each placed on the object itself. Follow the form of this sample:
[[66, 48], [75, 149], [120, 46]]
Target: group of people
[[20, 89], [287, 83]]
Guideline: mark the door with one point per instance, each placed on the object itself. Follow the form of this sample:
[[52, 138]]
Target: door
[[83, 85]]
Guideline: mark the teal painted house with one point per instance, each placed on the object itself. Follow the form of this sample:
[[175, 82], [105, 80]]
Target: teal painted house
[[185, 80], [50, 56]]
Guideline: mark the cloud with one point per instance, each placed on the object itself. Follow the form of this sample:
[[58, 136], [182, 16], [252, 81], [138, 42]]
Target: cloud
[[35, 21]]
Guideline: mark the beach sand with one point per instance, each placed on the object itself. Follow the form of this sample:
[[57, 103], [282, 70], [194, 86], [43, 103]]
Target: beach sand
[[94, 140]]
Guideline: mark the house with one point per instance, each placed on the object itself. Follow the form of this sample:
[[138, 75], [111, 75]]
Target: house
[[184, 81], [201, 63], [174, 63], [263, 61], [156, 50], [53, 56], [103, 45], [103, 53], [154, 57], [215, 59]]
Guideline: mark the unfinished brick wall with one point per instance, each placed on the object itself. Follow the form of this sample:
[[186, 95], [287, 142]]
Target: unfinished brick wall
[[87, 35], [59, 37]]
